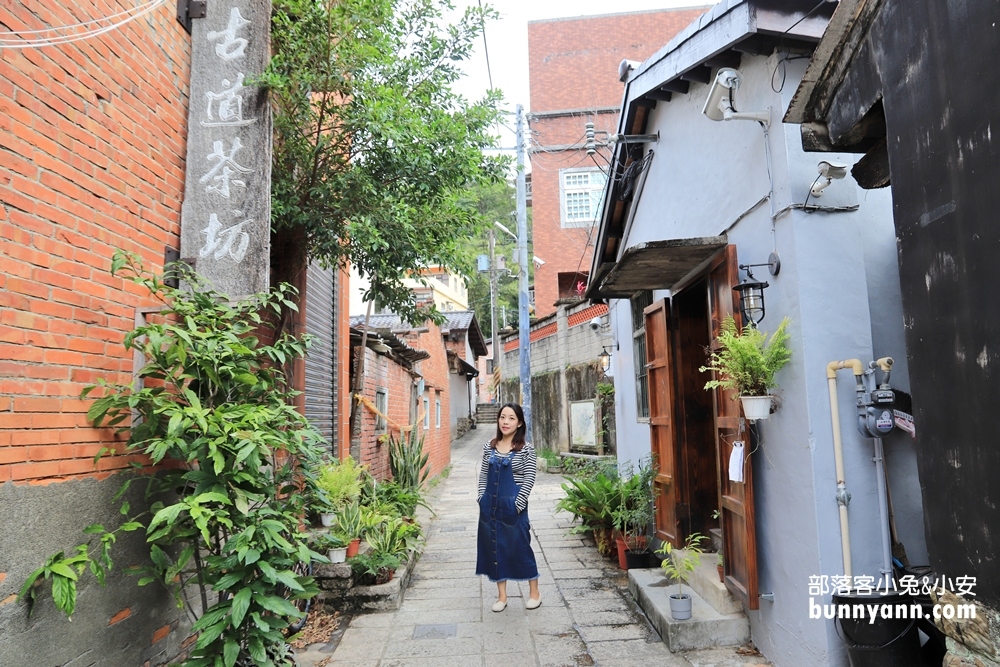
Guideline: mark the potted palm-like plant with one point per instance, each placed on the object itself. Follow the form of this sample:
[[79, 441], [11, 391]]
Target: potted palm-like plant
[[678, 566], [747, 362], [349, 525]]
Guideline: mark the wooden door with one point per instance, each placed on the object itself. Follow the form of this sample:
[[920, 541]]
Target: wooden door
[[661, 420], [736, 499]]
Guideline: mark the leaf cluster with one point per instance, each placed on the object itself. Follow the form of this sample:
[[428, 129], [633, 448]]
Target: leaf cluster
[[747, 361], [340, 482], [408, 462], [373, 149], [214, 404], [679, 565]]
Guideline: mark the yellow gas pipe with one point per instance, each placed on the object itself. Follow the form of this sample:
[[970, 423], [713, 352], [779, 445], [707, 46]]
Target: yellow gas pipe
[[843, 497]]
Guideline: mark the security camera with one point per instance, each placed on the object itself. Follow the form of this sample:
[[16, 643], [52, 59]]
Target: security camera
[[719, 105], [595, 324], [828, 172], [626, 66]]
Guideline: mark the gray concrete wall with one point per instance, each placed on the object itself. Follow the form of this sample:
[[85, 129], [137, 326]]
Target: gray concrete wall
[[570, 352], [41, 520], [839, 285]]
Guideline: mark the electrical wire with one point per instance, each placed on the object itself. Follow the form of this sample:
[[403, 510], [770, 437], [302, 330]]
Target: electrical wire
[[24, 39], [807, 15], [486, 48]]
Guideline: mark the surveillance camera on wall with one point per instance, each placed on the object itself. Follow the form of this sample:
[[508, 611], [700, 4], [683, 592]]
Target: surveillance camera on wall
[[828, 172], [719, 105], [625, 67], [595, 324]]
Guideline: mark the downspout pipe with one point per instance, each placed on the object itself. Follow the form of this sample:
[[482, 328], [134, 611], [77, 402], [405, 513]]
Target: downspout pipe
[[843, 497]]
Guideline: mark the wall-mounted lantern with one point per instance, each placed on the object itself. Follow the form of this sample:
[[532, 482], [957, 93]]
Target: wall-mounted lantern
[[752, 291]]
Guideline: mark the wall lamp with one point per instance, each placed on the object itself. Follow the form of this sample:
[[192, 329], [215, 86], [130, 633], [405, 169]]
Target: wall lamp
[[752, 291], [604, 358]]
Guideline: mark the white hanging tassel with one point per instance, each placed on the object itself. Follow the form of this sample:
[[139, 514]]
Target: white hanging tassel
[[736, 462]]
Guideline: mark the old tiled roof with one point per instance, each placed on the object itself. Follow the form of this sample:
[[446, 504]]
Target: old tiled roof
[[385, 322]]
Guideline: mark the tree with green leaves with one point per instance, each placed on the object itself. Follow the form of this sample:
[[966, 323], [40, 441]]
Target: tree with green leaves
[[373, 149]]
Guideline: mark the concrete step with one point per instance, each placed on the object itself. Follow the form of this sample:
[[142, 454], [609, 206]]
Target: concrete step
[[706, 628], [705, 581]]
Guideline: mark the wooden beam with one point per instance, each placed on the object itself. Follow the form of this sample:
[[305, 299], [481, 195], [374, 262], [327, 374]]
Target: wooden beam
[[661, 95], [725, 59], [872, 171], [700, 74], [648, 101], [676, 86]]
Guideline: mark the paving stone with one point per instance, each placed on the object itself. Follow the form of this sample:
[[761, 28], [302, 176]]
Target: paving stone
[[446, 618]]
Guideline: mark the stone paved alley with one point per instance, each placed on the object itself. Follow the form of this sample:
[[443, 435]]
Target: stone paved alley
[[586, 617]]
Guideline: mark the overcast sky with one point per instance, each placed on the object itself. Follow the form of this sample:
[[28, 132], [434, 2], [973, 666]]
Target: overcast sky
[[507, 39]]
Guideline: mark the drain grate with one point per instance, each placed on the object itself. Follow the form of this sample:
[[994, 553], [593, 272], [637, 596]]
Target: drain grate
[[435, 631]]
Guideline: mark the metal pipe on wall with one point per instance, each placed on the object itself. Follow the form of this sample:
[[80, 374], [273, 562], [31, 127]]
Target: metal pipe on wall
[[843, 497]]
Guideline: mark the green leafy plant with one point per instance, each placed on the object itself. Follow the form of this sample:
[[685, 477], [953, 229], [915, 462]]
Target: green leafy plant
[[394, 537], [551, 458], [391, 498], [348, 522], [374, 568], [633, 510], [408, 462], [678, 565], [339, 482], [326, 541], [213, 403], [373, 150], [747, 361]]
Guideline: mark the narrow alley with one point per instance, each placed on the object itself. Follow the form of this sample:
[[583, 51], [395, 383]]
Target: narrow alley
[[585, 619]]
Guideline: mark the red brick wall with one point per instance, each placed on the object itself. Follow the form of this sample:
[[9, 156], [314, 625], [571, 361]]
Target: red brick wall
[[383, 373], [573, 64], [437, 441], [92, 144]]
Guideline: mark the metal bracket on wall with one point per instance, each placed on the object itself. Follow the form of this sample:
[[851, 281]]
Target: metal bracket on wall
[[190, 9]]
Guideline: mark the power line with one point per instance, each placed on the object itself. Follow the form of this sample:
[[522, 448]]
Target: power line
[[486, 47], [24, 39]]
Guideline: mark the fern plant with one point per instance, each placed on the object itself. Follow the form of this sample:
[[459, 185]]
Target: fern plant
[[747, 361]]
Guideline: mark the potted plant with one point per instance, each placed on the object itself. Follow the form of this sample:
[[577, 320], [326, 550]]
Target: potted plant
[[334, 544], [746, 363], [719, 565], [374, 568], [348, 524], [678, 566], [339, 483], [632, 514]]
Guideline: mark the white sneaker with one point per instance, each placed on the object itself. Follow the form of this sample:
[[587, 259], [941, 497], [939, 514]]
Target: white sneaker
[[532, 603], [500, 605]]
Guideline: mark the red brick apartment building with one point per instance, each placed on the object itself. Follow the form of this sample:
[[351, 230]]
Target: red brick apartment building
[[92, 159], [573, 72]]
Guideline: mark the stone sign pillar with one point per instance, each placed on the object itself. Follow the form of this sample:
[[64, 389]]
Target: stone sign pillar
[[226, 214]]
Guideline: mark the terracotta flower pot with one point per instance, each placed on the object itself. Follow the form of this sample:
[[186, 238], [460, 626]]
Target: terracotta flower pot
[[722, 573], [352, 547], [622, 561]]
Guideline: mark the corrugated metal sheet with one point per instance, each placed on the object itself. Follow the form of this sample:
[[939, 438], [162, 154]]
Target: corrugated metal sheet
[[321, 377]]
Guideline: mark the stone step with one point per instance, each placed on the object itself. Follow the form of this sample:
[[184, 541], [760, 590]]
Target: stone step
[[705, 581], [706, 628]]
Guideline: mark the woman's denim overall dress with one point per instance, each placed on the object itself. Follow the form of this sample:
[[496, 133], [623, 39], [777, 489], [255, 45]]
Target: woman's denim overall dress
[[504, 546]]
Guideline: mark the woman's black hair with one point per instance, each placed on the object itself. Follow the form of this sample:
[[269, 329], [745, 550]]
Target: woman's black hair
[[518, 442]]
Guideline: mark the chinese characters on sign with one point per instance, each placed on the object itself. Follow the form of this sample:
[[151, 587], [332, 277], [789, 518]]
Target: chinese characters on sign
[[225, 220]]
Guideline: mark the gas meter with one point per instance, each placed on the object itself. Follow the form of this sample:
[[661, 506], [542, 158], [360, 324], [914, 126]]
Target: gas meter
[[875, 418]]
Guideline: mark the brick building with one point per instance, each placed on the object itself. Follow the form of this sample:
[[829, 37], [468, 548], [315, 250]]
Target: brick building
[[573, 65], [93, 141], [92, 155], [406, 378]]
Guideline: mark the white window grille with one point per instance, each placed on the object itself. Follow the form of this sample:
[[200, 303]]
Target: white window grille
[[581, 193], [382, 405], [427, 413], [437, 414]]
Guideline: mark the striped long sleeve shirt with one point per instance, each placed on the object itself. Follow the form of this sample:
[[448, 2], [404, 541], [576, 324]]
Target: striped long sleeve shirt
[[523, 465]]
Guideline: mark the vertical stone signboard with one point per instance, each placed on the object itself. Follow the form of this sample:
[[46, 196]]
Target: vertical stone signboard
[[226, 214]]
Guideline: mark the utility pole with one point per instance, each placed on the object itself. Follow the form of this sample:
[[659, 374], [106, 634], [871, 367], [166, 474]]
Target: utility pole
[[495, 326], [524, 324]]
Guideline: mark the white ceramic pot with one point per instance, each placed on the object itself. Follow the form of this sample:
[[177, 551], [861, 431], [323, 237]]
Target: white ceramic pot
[[338, 555], [680, 606], [327, 519], [756, 407]]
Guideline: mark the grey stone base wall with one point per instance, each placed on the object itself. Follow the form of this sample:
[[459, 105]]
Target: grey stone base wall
[[119, 625]]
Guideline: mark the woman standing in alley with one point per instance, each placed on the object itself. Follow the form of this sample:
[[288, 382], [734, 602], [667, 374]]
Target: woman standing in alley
[[506, 476]]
